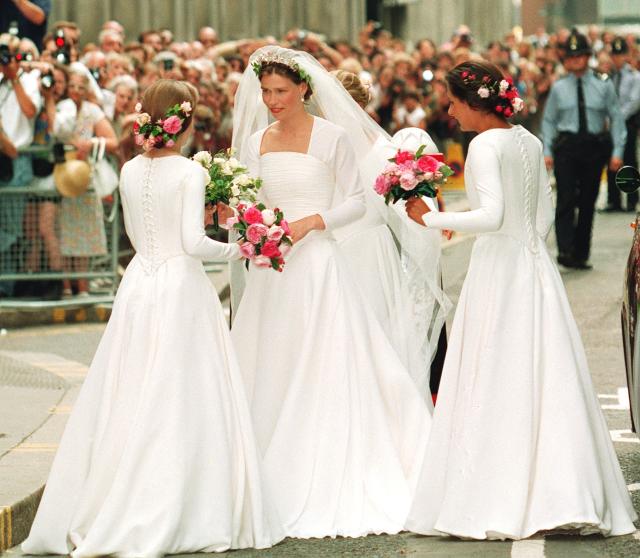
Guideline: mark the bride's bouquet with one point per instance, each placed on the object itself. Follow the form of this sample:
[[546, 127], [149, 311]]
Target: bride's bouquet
[[228, 181], [264, 233], [409, 175]]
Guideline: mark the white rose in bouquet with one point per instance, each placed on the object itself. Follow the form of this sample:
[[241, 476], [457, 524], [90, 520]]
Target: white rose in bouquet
[[219, 160], [234, 163], [204, 158], [235, 190], [268, 217]]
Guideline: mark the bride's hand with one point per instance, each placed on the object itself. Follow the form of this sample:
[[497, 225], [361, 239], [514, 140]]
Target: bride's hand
[[302, 227], [224, 212], [209, 210], [416, 208]]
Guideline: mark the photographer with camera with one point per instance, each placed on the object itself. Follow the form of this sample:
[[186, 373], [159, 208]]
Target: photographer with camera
[[20, 101], [28, 16]]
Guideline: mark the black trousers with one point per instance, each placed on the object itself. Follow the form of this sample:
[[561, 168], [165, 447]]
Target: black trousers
[[630, 157], [578, 165]]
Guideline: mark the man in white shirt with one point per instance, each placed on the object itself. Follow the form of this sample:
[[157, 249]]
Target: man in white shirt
[[20, 103]]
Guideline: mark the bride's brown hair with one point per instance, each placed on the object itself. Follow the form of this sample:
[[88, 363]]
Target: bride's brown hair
[[285, 71], [164, 94]]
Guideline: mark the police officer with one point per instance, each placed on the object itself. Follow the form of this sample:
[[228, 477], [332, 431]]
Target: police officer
[[581, 120], [626, 82]]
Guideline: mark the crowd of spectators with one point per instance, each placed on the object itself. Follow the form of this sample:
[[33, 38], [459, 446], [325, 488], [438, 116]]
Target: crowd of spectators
[[72, 89]]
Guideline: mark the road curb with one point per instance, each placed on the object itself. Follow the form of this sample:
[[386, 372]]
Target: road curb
[[16, 520], [14, 318]]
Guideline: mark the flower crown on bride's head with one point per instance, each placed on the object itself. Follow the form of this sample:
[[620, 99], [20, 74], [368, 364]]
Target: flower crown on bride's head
[[164, 132], [272, 57]]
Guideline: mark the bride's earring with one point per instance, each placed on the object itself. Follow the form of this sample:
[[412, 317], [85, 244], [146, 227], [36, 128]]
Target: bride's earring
[[302, 98]]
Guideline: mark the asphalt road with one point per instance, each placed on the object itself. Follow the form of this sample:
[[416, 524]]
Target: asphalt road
[[595, 297]]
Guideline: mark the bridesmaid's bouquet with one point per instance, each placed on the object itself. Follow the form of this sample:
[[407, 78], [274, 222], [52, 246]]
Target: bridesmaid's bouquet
[[228, 181], [409, 175], [264, 233]]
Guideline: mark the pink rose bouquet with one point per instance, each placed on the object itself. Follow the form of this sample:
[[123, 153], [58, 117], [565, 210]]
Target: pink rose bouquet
[[264, 233], [228, 181], [410, 175]]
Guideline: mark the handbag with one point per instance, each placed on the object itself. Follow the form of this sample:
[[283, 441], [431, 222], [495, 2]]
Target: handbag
[[104, 178]]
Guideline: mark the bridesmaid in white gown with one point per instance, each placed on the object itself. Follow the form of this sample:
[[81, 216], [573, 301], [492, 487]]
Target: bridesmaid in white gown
[[337, 417], [158, 456], [394, 261], [519, 443]]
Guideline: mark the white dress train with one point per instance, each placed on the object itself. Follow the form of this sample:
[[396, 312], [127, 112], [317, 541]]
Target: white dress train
[[158, 456], [337, 417], [519, 443]]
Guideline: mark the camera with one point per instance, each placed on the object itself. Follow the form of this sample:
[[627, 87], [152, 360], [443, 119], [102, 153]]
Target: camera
[[24, 57], [168, 64], [377, 28], [62, 54], [427, 75], [47, 81], [200, 126], [95, 72], [5, 55]]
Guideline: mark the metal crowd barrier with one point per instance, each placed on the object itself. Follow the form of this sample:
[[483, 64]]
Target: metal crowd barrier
[[28, 229]]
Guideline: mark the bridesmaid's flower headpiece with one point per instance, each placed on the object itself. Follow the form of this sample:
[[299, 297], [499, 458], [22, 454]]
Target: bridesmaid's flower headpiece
[[164, 132], [278, 59], [508, 102]]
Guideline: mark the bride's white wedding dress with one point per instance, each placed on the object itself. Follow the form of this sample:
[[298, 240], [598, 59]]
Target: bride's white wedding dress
[[519, 443], [158, 456], [338, 419]]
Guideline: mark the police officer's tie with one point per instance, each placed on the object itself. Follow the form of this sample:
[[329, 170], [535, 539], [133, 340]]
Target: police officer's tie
[[582, 111]]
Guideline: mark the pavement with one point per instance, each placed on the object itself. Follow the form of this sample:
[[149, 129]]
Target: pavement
[[42, 369]]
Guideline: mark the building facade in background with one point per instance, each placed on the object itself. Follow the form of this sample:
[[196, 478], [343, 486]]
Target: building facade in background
[[341, 19]]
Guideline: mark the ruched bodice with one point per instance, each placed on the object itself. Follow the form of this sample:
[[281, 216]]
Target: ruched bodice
[[311, 192]]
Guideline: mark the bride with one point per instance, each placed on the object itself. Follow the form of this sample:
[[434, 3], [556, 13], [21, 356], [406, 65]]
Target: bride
[[338, 419], [158, 456]]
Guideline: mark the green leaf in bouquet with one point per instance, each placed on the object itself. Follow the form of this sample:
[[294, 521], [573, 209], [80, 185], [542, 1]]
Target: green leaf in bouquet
[[446, 171], [274, 263], [420, 151]]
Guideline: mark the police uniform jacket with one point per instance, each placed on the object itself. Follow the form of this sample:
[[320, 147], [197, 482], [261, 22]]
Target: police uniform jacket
[[626, 83], [602, 109]]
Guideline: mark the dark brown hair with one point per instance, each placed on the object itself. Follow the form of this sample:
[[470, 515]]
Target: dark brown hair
[[165, 93], [269, 68], [464, 88]]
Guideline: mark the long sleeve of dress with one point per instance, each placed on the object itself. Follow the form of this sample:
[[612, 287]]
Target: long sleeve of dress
[[348, 180], [545, 212], [484, 168], [194, 240]]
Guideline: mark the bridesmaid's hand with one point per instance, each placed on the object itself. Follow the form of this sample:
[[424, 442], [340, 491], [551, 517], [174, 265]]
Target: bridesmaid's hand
[[416, 208], [302, 227]]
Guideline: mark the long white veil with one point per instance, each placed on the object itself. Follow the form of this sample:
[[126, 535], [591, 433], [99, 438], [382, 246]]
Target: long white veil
[[419, 248]]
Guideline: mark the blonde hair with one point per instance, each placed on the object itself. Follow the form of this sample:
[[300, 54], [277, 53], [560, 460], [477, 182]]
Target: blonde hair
[[354, 86], [165, 93]]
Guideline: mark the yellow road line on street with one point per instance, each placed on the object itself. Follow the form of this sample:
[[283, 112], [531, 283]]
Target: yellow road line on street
[[6, 528], [60, 410], [35, 447]]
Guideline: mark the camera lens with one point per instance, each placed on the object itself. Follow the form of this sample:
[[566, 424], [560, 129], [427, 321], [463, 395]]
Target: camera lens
[[47, 81]]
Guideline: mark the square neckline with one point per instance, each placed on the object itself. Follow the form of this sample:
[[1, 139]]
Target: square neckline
[[307, 152]]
